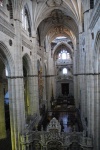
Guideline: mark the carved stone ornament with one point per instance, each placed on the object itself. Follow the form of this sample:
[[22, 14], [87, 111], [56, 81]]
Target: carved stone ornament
[[54, 3], [54, 139], [57, 16], [54, 124]]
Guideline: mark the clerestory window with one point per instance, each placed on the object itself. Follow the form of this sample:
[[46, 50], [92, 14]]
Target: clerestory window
[[63, 55], [24, 19]]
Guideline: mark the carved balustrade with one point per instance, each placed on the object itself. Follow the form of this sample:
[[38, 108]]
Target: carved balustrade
[[54, 139]]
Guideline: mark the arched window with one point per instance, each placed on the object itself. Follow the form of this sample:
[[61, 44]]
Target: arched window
[[64, 71], [1, 3], [26, 19], [63, 55]]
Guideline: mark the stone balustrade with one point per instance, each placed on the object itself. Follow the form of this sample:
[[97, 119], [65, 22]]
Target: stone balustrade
[[63, 62]]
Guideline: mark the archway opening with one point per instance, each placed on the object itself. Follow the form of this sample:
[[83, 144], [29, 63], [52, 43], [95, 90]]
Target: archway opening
[[62, 51], [5, 129], [26, 72]]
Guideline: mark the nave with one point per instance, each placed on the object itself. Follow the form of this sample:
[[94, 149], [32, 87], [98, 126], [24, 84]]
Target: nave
[[58, 130], [49, 74], [69, 119]]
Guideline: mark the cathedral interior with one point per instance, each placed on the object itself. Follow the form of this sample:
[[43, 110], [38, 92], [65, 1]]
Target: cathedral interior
[[49, 74]]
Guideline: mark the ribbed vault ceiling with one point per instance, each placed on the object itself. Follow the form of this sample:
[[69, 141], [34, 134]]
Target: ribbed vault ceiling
[[70, 8], [58, 17]]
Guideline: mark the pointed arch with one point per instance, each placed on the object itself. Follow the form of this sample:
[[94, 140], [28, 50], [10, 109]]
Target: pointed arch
[[56, 48], [6, 57], [27, 63], [27, 72], [26, 12]]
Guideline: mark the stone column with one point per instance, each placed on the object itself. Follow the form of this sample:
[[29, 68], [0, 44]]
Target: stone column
[[89, 70], [82, 72], [97, 100], [75, 72], [50, 79], [44, 87], [96, 114], [90, 85], [16, 85], [35, 78], [12, 108]]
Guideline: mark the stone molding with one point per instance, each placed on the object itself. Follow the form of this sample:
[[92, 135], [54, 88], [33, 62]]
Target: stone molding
[[26, 43], [95, 16], [6, 28], [2, 11]]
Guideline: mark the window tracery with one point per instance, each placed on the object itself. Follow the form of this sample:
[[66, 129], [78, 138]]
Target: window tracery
[[63, 55]]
